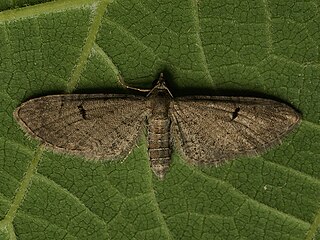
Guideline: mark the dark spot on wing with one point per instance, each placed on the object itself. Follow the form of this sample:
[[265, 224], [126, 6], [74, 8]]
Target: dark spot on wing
[[235, 113], [82, 112]]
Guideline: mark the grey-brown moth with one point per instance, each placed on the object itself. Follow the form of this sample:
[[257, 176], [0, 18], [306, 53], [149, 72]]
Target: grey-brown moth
[[207, 130]]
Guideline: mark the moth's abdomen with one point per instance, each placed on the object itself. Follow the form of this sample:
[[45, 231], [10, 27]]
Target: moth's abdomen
[[159, 144]]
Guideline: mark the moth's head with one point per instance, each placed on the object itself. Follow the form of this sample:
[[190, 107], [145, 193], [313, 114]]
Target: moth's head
[[160, 86], [161, 83]]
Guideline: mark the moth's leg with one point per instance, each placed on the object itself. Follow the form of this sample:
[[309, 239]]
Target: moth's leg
[[176, 138], [123, 84]]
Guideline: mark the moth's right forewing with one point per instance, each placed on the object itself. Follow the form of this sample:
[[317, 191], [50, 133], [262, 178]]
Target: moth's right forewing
[[212, 130], [97, 126]]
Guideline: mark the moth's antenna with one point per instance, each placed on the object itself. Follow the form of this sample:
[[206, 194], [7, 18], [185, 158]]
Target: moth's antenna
[[123, 84]]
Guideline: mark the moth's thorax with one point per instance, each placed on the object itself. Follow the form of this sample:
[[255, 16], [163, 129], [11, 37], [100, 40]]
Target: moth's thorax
[[159, 102]]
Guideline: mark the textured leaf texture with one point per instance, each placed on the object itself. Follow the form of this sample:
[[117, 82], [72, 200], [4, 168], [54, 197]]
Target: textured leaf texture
[[264, 48]]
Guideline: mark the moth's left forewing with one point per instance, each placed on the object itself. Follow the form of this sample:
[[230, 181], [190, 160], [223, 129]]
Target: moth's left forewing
[[212, 130], [95, 126]]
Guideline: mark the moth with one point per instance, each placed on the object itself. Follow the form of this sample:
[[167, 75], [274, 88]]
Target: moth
[[206, 130]]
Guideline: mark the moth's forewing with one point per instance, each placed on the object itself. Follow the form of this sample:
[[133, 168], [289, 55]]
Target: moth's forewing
[[97, 126], [212, 130]]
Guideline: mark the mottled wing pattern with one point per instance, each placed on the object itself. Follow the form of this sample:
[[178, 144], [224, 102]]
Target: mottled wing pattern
[[211, 130], [97, 126]]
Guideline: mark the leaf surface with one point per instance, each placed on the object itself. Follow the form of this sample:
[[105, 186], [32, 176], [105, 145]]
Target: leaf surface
[[263, 48]]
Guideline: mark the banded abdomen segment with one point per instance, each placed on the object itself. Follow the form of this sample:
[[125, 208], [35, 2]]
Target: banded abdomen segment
[[159, 144], [159, 130]]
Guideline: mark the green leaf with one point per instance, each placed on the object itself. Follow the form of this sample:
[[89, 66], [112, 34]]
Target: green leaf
[[264, 48]]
